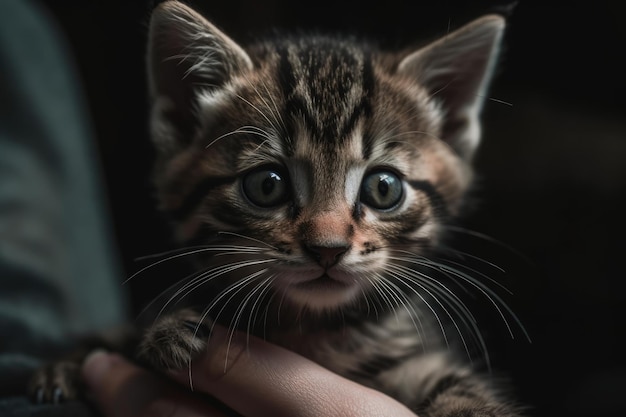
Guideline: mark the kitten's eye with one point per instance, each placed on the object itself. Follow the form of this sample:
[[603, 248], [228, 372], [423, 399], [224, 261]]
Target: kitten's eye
[[381, 190], [266, 187]]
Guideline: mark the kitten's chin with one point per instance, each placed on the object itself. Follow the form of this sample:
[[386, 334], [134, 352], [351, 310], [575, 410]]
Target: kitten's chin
[[324, 292]]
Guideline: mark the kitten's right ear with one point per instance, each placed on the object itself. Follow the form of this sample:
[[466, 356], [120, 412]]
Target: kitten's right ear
[[186, 54]]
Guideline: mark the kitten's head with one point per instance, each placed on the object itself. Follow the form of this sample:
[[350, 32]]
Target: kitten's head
[[321, 162]]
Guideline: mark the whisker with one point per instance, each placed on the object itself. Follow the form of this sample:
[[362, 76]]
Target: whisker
[[167, 290], [366, 298], [487, 238], [279, 117], [192, 278], [200, 249], [440, 288], [474, 271], [429, 284], [494, 99], [236, 287], [282, 299], [210, 275], [383, 293], [401, 276], [463, 254], [248, 238], [267, 310], [257, 109], [456, 264], [493, 298], [206, 312], [252, 319], [427, 304], [190, 248], [276, 116], [491, 295], [252, 130], [234, 322], [406, 304]]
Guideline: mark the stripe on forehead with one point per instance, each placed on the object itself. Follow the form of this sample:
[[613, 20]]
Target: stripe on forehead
[[328, 86]]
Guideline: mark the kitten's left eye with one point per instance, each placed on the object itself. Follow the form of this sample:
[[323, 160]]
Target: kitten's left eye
[[266, 187], [381, 190]]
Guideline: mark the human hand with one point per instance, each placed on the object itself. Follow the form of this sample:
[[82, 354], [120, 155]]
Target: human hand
[[248, 375]]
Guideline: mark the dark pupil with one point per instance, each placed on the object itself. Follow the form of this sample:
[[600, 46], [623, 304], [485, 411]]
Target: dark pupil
[[269, 183], [383, 186]]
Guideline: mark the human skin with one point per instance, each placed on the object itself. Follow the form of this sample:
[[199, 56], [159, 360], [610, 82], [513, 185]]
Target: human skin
[[247, 375]]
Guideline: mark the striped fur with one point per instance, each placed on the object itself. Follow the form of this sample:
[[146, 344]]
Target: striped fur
[[329, 268]]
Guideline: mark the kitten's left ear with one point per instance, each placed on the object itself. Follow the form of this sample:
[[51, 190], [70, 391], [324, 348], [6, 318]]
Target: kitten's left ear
[[456, 71]]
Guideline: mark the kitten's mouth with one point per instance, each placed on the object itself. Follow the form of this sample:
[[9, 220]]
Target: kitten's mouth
[[324, 290], [323, 282]]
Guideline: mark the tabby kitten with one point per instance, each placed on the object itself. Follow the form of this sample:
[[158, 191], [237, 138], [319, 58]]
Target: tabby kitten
[[311, 177]]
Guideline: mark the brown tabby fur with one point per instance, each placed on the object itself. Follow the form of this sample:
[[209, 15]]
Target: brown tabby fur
[[323, 270]]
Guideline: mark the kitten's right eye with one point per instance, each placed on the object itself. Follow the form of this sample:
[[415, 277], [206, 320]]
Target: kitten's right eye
[[266, 187]]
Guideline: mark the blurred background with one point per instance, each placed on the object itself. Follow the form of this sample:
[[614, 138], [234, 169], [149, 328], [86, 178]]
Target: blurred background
[[552, 166]]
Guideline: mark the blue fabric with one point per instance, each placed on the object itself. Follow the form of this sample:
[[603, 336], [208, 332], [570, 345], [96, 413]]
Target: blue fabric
[[59, 270]]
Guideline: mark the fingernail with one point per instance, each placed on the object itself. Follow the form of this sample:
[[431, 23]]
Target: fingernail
[[95, 367]]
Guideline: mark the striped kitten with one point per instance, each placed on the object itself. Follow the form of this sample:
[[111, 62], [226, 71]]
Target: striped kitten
[[321, 170], [311, 177]]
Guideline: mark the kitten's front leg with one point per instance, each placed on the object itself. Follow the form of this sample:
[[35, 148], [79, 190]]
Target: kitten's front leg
[[169, 344], [466, 395], [174, 340]]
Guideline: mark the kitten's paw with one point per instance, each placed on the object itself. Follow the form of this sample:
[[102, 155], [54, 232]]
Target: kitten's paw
[[56, 383], [174, 341]]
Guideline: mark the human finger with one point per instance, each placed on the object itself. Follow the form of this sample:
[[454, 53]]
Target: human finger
[[256, 378], [123, 389]]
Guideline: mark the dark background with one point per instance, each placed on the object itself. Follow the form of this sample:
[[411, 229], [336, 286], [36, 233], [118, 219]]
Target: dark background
[[552, 165]]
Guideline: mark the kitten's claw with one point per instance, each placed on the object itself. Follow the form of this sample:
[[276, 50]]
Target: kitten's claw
[[55, 383]]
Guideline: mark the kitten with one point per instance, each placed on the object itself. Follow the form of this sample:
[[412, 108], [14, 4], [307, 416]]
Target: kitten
[[311, 178]]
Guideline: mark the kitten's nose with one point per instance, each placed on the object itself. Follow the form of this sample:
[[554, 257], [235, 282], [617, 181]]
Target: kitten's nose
[[326, 256]]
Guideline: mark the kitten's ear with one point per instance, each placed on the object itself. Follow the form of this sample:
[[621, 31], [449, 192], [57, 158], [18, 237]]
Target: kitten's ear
[[186, 55], [456, 71]]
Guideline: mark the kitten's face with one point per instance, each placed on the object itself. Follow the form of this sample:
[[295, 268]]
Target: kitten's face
[[325, 160]]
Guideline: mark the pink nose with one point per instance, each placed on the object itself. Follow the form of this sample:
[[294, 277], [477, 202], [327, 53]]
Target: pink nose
[[326, 256]]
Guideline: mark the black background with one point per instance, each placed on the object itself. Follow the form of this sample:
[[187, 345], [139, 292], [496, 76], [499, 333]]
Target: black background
[[551, 166]]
